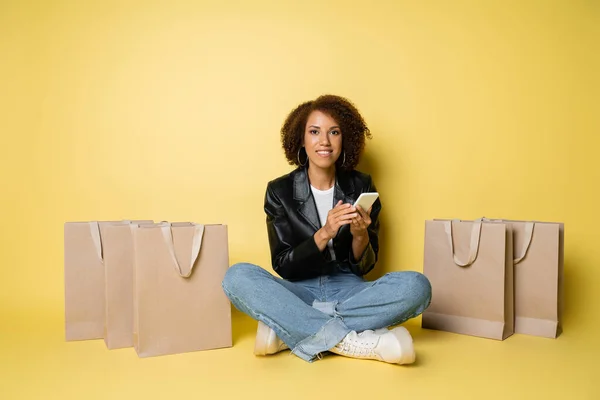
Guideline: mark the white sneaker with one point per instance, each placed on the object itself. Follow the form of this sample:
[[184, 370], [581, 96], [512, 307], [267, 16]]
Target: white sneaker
[[395, 347], [267, 341]]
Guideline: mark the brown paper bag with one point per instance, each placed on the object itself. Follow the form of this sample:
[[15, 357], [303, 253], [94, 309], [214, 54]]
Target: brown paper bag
[[117, 244], [538, 266], [469, 265], [85, 297], [84, 281], [179, 305]]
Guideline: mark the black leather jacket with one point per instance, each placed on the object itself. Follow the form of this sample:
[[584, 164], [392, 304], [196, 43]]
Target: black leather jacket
[[292, 220]]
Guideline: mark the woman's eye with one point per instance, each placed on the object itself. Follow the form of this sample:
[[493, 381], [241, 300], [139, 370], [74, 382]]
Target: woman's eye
[[314, 132], [335, 132]]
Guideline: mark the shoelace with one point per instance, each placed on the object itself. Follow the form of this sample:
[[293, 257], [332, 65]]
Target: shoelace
[[353, 347]]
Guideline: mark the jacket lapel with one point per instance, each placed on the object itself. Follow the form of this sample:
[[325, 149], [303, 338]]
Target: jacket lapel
[[306, 204], [344, 188]]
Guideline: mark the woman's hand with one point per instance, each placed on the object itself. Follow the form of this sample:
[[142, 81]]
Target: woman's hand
[[360, 235], [341, 214], [361, 222]]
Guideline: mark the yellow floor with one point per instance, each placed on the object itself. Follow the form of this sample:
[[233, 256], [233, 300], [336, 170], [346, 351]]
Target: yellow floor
[[37, 363]]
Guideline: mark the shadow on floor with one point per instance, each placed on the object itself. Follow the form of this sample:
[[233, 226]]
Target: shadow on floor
[[243, 326], [422, 335]]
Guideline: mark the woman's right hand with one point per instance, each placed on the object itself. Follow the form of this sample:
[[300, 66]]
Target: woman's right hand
[[338, 216]]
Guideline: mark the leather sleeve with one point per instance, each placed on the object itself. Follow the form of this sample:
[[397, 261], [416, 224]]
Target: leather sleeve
[[370, 255], [291, 261]]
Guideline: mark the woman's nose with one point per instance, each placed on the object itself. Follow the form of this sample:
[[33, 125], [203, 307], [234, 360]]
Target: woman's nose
[[324, 140]]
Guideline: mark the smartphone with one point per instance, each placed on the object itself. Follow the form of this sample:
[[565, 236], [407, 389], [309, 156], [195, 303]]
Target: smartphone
[[366, 200]]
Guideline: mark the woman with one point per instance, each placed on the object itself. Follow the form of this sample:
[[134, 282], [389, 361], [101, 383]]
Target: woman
[[321, 245]]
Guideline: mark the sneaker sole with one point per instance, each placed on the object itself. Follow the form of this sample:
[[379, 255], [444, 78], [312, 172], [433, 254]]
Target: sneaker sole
[[406, 345], [262, 339]]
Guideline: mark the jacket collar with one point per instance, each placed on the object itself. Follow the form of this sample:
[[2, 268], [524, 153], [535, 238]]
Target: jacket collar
[[344, 188]]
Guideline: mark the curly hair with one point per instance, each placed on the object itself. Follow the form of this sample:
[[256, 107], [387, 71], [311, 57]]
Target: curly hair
[[352, 125]]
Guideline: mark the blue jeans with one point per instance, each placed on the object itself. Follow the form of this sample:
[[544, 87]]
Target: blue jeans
[[313, 315]]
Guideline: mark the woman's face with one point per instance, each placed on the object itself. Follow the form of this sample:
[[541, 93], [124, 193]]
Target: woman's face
[[322, 140]]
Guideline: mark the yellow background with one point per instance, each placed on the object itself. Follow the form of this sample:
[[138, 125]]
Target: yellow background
[[171, 110]]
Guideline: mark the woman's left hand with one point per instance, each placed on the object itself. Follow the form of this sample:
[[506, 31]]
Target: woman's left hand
[[361, 222]]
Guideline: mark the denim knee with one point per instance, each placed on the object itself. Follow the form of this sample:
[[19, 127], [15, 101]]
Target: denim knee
[[422, 286], [239, 276], [416, 285]]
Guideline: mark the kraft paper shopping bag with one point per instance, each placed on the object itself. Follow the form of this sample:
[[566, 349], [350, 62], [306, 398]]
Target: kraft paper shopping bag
[[469, 265], [538, 267], [117, 243], [179, 305], [85, 297], [84, 281]]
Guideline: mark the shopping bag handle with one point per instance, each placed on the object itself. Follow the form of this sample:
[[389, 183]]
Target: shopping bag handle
[[529, 226], [528, 237], [97, 239], [166, 227], [474, 245]]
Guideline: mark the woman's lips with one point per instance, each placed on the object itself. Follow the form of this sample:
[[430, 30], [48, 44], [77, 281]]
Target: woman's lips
[[324, 153]]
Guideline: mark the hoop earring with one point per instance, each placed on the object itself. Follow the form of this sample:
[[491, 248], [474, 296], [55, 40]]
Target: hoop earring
[[298, 158], [344, 161]]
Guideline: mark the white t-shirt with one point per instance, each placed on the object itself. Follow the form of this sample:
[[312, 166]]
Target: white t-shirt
[[324, 201]]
